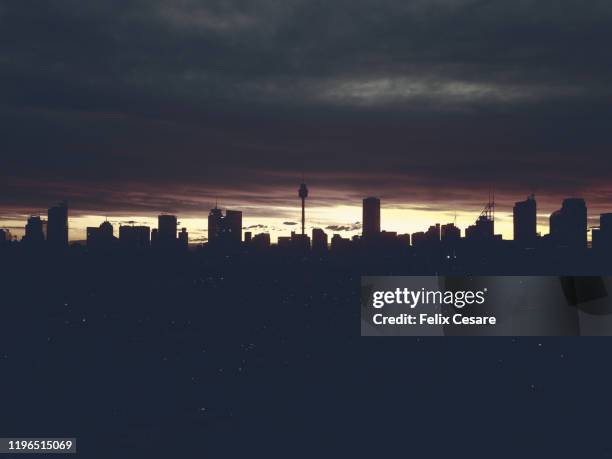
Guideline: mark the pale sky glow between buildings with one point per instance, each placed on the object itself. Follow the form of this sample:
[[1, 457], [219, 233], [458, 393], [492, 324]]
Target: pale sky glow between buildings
[[343, 220]]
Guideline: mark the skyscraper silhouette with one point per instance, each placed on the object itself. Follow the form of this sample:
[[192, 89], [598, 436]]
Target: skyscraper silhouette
[[134, 237], [57, 225], [166, 234], [319, 240], [371, 217], [418, 239], [450, 233], [154, 232], [224, 228], [433, 233], [232, 225], [183, 239], [525, 222], [568, 225], [34, 231], [215, 218]]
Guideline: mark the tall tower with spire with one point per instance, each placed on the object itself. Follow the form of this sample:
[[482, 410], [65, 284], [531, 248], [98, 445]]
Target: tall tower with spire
[[303, 194]]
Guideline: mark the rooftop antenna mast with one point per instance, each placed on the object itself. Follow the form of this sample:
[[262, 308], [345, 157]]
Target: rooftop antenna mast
[[489, 210]]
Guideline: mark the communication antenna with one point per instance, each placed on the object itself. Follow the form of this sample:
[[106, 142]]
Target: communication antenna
[[303, 194]]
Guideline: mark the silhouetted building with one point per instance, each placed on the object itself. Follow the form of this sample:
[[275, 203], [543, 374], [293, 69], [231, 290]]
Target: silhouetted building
[[135, 237], [433, 233], [100, 238], [91, 234], [296, 243], [427, 239], [300, 242], [525, 222], [183, 239], [319, 240], [57, 225], [34, 234], [605, 223], [227, 229], [5, 236], [371, 217], [418, 238], [215, 218], [154, 233], [248, 236], [283, 242], [261, 241], [450, 233], [568, 225], [340, 244], [602, 236], [404, 240], [390, 242], [166, 231], [232, 225], [482, 230]]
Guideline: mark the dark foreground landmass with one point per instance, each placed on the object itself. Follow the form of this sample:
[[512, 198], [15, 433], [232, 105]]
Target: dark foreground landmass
[[195, 355]]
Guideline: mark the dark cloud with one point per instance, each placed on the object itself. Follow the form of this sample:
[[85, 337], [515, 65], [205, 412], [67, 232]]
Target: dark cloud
[[148, 106], [352, 227], [290, 223]]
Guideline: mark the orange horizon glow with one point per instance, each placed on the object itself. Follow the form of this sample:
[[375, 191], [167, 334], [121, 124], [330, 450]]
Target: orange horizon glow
[[400, 220]]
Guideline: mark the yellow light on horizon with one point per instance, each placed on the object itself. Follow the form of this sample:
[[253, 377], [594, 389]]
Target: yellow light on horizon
[[400, 220]]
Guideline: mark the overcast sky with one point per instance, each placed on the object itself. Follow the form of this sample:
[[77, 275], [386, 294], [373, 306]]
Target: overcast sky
[[142, 106]]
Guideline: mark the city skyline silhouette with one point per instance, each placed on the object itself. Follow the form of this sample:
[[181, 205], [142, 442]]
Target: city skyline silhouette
[[442, 246], [404, 217], [356, 228]]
